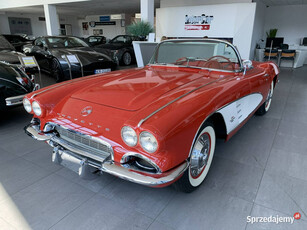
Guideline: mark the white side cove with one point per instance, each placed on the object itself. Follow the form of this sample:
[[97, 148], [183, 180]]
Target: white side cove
[[236, 112]]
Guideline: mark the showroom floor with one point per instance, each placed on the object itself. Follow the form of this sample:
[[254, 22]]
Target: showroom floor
[[261, 171]]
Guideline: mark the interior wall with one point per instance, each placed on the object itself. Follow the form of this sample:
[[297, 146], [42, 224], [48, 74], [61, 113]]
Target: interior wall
[[38, 27], [258, 31], [109, 31], [172, 3], [230, 21], [289, 20]]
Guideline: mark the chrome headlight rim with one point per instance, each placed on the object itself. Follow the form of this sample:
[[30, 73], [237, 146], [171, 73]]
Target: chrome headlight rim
[[37, 109], [124, 137], [155, 144], [27, 105]]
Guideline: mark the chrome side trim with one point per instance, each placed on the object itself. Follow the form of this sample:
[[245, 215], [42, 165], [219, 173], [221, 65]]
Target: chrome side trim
[[216, 111], [171, 102], [17, 100]]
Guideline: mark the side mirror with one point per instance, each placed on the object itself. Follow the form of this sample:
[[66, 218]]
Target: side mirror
[[247, 64]]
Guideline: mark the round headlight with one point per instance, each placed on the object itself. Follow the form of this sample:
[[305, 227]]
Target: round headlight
[[129, 136], [148, 142], [36, 108], [27, 105]]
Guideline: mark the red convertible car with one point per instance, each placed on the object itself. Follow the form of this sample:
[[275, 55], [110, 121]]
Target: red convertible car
[[154, 125]]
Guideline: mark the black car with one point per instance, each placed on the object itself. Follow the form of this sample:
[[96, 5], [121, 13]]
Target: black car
[[14, 85], [17, 41], [95, 40], [122, 48], [50, 52], [8, 53]]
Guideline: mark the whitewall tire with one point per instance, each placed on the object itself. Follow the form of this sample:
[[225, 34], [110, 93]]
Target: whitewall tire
[[200, 160]]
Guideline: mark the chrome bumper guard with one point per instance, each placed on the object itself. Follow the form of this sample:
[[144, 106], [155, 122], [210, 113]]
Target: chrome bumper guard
[[12, 101], [17, 100], [81, 163]]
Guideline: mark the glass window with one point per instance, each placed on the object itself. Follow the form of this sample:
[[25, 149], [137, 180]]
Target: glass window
[[204, 54], [65, 42]]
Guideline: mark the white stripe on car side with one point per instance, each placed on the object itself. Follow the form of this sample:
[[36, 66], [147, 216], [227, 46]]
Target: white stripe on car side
[[236, 112]]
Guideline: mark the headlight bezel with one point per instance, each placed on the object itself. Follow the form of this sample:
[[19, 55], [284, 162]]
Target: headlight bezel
[[155, 147], [24, 101], [128, 128], [36, 105]]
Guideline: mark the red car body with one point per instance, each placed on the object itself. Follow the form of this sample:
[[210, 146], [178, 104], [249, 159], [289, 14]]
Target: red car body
[[171, 102]]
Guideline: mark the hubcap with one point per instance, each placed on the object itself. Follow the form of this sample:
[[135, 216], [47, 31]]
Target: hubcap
[[200, 155], [127, 58]]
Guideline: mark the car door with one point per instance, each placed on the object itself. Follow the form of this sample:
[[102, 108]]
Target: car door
[[259, 80]]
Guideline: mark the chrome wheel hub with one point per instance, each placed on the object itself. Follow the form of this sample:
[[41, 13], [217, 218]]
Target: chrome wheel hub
[[200, 155], [127, 58]]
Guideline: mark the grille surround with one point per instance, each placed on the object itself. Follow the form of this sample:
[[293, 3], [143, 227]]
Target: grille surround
[[97, 148]]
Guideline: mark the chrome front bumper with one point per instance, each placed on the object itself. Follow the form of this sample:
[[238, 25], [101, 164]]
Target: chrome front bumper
[[83, 165]]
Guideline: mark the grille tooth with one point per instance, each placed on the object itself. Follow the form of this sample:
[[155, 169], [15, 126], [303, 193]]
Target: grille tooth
[[97, 148]]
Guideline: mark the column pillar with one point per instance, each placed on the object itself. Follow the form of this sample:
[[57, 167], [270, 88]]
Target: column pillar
[[52, 20], [147, 11]]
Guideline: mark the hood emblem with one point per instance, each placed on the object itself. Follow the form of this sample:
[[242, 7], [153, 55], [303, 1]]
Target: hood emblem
[[86, 111]]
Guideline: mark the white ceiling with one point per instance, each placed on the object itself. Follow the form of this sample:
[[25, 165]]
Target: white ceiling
[[97, 7], [283, 2], [92, 7]]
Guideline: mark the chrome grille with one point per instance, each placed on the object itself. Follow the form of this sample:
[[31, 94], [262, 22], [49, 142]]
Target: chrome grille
[[84, 142]]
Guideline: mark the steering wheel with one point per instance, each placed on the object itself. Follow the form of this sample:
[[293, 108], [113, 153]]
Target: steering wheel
[[220, 56]]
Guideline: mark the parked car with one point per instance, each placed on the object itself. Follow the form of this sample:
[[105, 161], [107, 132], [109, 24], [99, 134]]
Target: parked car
[[50, 52], [17, 41], [95, 40], [156, 125], [9, 55], [122, 48], [14, 85]]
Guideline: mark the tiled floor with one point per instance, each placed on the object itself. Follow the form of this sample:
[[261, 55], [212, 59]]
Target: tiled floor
[[261, 171]]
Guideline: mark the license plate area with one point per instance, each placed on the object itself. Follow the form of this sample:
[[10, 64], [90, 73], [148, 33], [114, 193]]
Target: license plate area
[[97, 71]]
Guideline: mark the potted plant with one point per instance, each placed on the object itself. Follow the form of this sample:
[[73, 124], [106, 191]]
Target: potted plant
[[140, 29], [272, 33]]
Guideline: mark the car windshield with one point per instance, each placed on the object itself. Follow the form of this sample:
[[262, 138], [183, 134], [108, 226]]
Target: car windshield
[[209, 54], [121, 39], [5, 45], [65, 42]]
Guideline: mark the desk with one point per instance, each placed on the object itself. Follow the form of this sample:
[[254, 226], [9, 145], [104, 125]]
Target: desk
[[299, 60]]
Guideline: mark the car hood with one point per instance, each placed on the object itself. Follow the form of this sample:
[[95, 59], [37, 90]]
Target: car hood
[[134, 89], [10, 57], [84, 53]]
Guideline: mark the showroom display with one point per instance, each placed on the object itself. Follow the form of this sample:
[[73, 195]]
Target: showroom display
[[122, 48], [156, 125], [50, 53], [14, 85]]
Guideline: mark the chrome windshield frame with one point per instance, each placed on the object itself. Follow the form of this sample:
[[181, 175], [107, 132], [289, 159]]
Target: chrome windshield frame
[[154, 56]]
